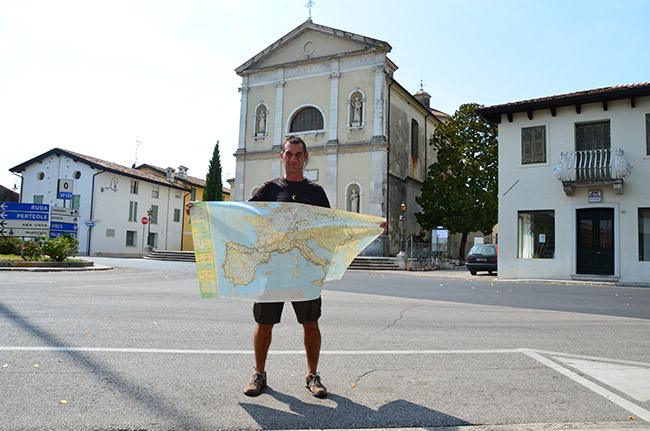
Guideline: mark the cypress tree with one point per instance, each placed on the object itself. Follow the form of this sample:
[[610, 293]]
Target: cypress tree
[[213, 185]]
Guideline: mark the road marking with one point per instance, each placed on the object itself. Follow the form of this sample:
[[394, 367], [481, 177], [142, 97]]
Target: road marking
[[576, 361], [636, 410], [631, 380], [249, 352]]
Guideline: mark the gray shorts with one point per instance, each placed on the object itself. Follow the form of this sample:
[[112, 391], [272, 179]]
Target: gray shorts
[[269, 313]]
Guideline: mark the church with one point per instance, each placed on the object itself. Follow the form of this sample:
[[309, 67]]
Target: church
[[366, 135]]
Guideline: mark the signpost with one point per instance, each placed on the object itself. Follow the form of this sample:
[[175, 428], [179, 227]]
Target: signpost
[[65, 188], [64, 221], [24, 219]]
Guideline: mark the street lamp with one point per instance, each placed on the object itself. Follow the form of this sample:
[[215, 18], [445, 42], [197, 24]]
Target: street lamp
[[402, 218], [401, 256]]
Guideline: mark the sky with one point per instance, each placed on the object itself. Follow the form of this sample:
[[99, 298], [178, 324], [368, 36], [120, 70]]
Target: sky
[[153, 81]]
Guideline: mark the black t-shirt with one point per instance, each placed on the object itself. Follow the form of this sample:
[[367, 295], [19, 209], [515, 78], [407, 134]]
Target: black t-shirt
[[282, 190]]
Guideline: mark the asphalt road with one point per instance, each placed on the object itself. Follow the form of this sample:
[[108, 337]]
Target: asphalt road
[[137, 348]]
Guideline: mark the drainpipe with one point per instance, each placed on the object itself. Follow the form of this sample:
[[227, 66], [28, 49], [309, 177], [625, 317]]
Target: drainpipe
[[387, 246], [92, 209], [187, 194]]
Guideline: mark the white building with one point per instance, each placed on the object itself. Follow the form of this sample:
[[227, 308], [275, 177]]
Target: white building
[[574, 170], [111, 199], [366, 135]]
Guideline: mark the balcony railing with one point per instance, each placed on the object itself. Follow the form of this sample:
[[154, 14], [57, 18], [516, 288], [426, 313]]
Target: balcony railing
[[578, 168]]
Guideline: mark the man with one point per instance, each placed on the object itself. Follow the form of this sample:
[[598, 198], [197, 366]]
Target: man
[[292, 187]]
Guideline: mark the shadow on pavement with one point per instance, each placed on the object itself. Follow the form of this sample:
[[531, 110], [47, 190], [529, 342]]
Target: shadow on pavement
[[347, 414]]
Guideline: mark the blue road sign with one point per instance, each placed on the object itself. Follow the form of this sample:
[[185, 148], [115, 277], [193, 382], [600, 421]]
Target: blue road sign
[[65, 195], [64, 227], [15, 215], [56, 234], [24, 207]]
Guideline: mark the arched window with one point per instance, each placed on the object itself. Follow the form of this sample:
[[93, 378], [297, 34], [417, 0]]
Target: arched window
[[307, 119]]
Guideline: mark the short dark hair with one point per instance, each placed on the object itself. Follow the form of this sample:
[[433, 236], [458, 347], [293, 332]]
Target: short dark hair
[[295, 140]]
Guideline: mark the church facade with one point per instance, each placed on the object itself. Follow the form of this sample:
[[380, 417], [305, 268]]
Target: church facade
[[366, 135]]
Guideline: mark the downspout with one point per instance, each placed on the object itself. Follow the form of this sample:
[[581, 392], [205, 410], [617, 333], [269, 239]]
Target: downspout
[[167, 220], [92, 209], [426, 145], [187, 194], [387, 246]]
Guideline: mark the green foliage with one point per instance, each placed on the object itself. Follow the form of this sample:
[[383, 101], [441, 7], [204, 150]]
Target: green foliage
[[60, 248], [33, 249], [213, 185], [460, 192], [10, 245]]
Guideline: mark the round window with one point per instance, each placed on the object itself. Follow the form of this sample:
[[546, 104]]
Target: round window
[[40, 175], [76, 175]]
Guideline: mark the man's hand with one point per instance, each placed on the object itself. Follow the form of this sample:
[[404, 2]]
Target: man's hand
[[188, 206], [384, 225]]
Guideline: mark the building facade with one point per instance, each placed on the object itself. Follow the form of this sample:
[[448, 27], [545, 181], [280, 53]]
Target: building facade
[[112, 201], [573, 194], [367, 137]]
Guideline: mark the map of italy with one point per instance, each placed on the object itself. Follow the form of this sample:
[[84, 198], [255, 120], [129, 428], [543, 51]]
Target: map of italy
[[275, 251]]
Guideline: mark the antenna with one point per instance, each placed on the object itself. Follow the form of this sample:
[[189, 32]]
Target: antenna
[[138, 142], [421, 83]]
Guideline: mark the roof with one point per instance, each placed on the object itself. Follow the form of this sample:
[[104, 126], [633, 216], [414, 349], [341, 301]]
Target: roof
[[603, 95], [306, 26], [98, 164], [191, 181]]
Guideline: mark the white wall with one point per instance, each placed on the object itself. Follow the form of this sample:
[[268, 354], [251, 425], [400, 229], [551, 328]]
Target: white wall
[[110, 208], [534, 187]]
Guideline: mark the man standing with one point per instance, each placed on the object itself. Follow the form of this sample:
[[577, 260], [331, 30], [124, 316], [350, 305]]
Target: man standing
[[292, 187]]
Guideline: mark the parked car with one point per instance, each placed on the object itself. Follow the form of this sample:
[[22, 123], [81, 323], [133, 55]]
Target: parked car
[[482, 257]]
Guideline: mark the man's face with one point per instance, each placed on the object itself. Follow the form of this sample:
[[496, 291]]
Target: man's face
[[293, 158]]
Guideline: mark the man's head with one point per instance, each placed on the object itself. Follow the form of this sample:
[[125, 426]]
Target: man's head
[[294, 156]]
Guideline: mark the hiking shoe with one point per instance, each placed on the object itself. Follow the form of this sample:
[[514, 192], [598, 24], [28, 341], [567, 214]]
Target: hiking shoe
[[258, 382], [315, 386]]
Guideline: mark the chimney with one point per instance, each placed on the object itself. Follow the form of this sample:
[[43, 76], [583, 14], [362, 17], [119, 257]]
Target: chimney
[[170, 174], [182, 172], [424, 98]]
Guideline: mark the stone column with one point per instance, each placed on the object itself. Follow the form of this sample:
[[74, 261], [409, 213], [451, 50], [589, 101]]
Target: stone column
[[279, 101], [378, 125], [242, 116]]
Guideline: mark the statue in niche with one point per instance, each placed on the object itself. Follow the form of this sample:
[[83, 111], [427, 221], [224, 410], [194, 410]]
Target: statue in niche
[[357, 104], [354, 201], [261, 122]]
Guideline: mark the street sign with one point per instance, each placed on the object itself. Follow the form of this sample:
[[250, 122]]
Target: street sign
[[59, 229], [65, 188], [63, 221], [145, 220], [20, 231], [90, 224], [65, 215], [25, 207], [24, 219]]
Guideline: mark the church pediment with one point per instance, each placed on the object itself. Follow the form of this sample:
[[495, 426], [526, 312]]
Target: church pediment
[[310, 42]]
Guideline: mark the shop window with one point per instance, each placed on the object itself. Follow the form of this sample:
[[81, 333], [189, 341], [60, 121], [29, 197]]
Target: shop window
[[536, 236]]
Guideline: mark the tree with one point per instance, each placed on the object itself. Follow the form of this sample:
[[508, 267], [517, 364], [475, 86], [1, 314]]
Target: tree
[[460, 191], [213, 185]]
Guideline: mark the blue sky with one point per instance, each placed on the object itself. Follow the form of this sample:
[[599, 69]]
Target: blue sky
[[92, 76]]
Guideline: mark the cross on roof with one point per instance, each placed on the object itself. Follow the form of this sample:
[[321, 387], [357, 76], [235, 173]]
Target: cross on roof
[[309, 5]]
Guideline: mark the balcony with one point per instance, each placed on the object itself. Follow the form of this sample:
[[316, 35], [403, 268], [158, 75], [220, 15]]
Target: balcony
[[592, 167]]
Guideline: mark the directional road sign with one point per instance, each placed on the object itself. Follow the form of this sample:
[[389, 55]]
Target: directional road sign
[[24, 219], [63, 221]]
